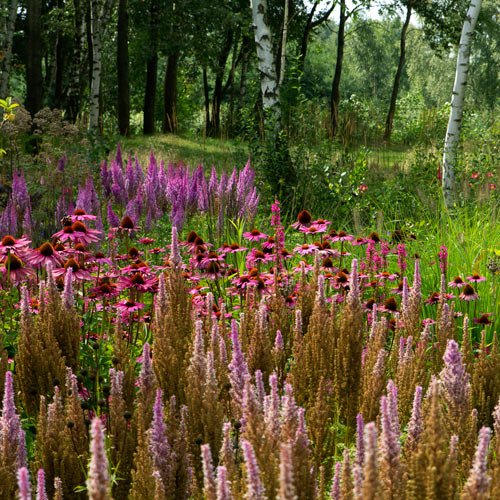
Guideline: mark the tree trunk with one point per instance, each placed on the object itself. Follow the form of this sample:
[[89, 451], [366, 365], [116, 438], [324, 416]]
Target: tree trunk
[[397, 78], [338, 70], [34, 78], [244, 68], [151, 72], [74, 91], [8, 26], [122, 65], [150, 95], [100, 12], [284, 35], [206, 99], [269, 83], [170, 95], [457, 103]]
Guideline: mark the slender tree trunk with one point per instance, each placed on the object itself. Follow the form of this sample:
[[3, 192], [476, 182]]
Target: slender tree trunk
[[74, 91], [151, 72], [34, 79], [100, 12], [122, 65], [338, 69], [206, 99], [457, 103], [269, 83], [397, 78], [245, 43], [8, 26], [234, 60], [284, 35], [150, 95], [170, 95]]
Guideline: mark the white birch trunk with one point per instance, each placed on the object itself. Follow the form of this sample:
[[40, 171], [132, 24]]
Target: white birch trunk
[[457, 103], [100, 12], [8, 34], [284, 37], [267, 67]]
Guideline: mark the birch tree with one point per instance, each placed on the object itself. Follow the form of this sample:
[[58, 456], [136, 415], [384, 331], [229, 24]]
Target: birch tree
[[8, 21], [269, 82], [100, 13], [457, 103]]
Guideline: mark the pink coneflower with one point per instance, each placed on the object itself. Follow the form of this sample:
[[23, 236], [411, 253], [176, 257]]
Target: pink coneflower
[[43, 255], [321, 222], [433, 298], [390, 305], [85, 235], [257, 257], [368, 305], [16, 270], [139, 282], [428, 321], [127, 226], [10, 245], [474, 175], [254, 235], [67, 233], [212, 257], [100, 258], [305, 249], [343, 236], [484, 319], [269, 244], [313, 229], [147, 241], [213, 270], [129, 306], [304, 220], [360, 241], [81, 215], [105, 290], [374, 237], [234, 248], [475, 278], [79, 272], [285, 254], [387, 276], [341, 280], [363, 188], [157, 250], [458, 282], [79, 250], [468, 293]]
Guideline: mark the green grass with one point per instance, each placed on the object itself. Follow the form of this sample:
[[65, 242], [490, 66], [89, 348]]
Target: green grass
[[224, 154]]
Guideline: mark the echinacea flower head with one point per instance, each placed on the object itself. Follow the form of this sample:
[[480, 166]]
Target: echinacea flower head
[[374, 237], [458, 282], [468, 293], [343, 236], [255, 235], [9, 244], [83, 234], [81, 215], [15, 270], [390, 305], [484, 319], [475, 278], [79, 273], [304, 220], [129, 306], [43, 255]]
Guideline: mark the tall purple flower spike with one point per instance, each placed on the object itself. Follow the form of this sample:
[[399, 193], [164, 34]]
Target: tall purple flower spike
[[41, 493], [455, 377], [255, 488], [223, 485], [478, 481], [23, 482], [98, 481]]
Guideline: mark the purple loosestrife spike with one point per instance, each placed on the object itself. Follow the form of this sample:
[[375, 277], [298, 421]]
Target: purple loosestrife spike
[[476, 487], [23, 482], [105, 179], [416, 424], [238, 370], [118, 157], [226, 454], [175, 255], [289, 409], [354, 294], [68, 296], [392, 396], [278, 342], [20, 196], [335, 492], [113, 219], [98, 481], [401, 353], [161, 296], [146, 376], [41, 493], [287, 487], [209, 484], [301, 434], [223, 485], [455, 379], [255, 488], [378, 368]]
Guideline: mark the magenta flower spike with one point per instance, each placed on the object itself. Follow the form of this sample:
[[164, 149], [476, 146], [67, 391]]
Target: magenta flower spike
[[146, 375], [223, 485], [478, 481], [455, 377], [354, 294], [335, 492], [255, 488], [41, 493], [209, 484], [23, 482]]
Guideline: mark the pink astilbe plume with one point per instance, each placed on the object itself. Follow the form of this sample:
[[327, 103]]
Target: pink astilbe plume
[[209, 484], [255, 488], [238, 369], [416, 424], [287, 487], [68, 296], [335, 491], [455, 380], [98, 481], [223, 485], [41, 493], [392, 399], [23, 482], [476, 487]]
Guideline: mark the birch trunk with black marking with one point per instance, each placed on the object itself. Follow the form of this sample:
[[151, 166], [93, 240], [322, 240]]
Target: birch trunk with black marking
[[397, 78], [100, 13], [7, 35], [269, 83], [284, 36], [457, 103]]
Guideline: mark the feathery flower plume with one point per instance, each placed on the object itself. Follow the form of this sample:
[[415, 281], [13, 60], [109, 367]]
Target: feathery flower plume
[[353, 297], [416, 424], [287, 487], [223, 485], [405, 296], [68, 296], [371, 484], [238, 370], [41, 493], [146, 375], [360, 443], [175, 255], [476, 487], [113, 219], [255, 489], [335, 491], [98, 482], [392, 395], [209, 484], [23, 482], [320, 294], [158, 443], [58, 489]]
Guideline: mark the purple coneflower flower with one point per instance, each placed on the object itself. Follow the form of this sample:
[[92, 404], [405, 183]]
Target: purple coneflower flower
[[81, 215], [43, 255], [458, 282], [15, 268], [484, 319], [342, 236], [304, 220], [254, 235], [468, 293], [10, 245], [475, 278]]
